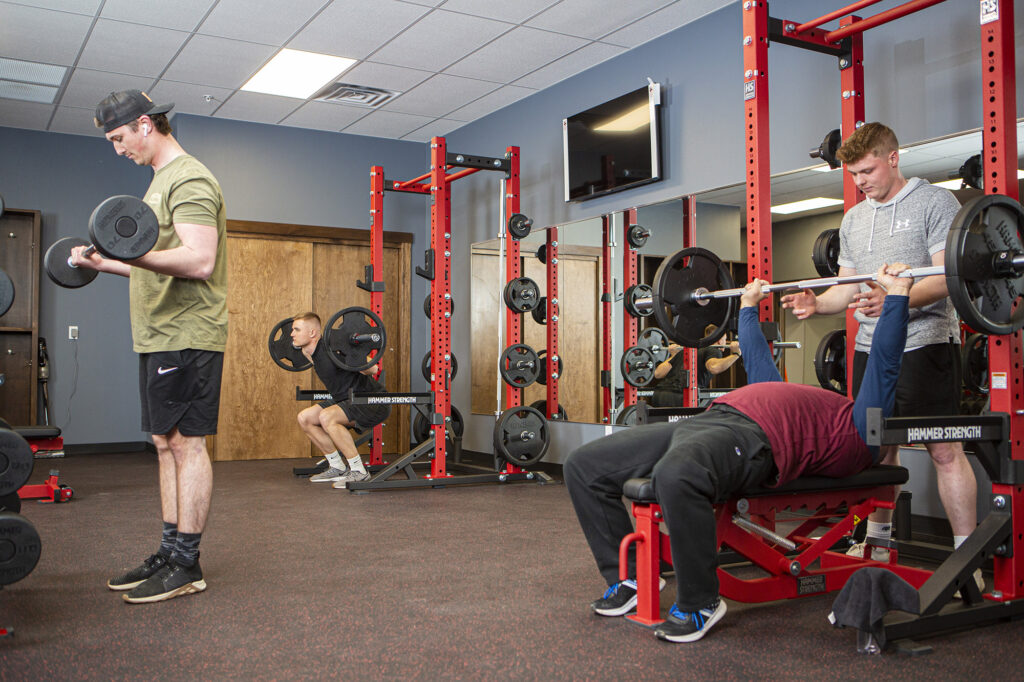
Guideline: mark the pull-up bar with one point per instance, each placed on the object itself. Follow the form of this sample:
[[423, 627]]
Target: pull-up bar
[[839, 13], [879, 19]]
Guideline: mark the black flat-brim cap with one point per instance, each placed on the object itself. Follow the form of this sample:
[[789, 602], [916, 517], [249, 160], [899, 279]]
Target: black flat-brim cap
[[119, 108]]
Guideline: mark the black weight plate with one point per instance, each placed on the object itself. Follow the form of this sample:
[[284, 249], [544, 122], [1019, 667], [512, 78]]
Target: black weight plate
[[632, 295], [542, 377], [4, 424], [347, 352], [975, 363], [521, 295], [10, 503], [542, 407], [425, 365], [426, 306], [826, 253], [282, 351], [16, 462], [519, 225], [521, 436], [542, 253], [637, 236], [637, 365], [830, 361], [421, 428], [519, 365], [60, 271], [828, 148], [20, 547], [123, 227], [627, 417], [987, 300], [676, 313], [6, 293], [654, 340], [540, 313]]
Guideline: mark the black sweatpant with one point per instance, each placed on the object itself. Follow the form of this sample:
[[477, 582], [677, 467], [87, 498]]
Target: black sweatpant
[[693, 464]]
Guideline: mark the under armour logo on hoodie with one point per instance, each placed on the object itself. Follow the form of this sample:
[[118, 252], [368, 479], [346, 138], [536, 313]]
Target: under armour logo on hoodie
[[900, 225]]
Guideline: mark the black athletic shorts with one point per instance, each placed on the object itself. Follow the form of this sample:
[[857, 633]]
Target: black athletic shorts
[[365, 416], [180, 389], [929, 383]]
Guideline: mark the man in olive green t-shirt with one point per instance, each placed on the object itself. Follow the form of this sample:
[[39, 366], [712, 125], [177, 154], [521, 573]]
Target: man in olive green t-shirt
[[179, 318]]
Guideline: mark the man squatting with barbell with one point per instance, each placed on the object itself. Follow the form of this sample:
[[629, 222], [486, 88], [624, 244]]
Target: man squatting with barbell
[[904, 220], [327, 423], [179, 323], [768, 432]]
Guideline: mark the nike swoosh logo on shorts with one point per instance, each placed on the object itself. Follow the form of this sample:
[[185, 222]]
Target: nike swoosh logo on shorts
[[165, 370]]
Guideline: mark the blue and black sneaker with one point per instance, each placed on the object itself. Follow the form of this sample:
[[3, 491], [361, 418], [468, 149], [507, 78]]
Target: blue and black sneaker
[[689, 626], [619, 599]]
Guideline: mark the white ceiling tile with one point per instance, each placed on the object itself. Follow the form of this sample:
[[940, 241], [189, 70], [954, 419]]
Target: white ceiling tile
[[489, 103], [593, 18], [75, 121], [385, 76], [426, 3], [86, 88], [580, 60], [663, 21], [207, 60], [515, 54], [387, 124], [439, 95], [325, 116], [76, 6], [182, 15], [189, 98], [130, 48], [438, 39], [355, 28], [259, 21], [257, 107], [41, 35], [14, 114], [435, 128], [515, 12]]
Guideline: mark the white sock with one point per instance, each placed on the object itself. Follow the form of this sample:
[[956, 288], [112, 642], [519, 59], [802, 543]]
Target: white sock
[[879, 531], [334, 459], [356, 464], [958, 540]]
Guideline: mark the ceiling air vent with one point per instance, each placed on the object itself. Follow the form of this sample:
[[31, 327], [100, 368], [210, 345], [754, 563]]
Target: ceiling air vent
[[355, 95]]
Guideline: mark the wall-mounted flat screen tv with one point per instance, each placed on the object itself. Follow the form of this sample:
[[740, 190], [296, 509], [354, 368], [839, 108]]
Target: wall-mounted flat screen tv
[[613, 146]]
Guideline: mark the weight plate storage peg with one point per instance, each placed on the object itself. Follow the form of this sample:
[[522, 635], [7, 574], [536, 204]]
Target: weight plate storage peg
[[521, 295], [654, 340], [16, 461], [282, 351], [632, 295], [830, 361], [637, 366], [637, 236], [521, 436], [542, 377], [6, 293], [421, 428], [519, 225], [676, 312], [519, 365], [20, 547], [826, 253], [352, 334], [983, 272], [975, 363], [542, 407], [425, 365], [540, 313]]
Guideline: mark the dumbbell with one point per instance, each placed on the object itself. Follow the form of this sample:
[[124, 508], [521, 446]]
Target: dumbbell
[[122, 228]]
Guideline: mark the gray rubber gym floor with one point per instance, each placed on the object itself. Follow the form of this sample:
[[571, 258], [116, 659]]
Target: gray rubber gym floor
[[306, 582]]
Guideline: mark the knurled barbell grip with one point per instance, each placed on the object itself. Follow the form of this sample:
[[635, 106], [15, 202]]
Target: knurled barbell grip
[[819, 282]]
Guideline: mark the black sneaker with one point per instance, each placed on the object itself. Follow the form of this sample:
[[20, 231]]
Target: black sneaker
[[173, 581], [682, 626], [137, 575], [619, 599]]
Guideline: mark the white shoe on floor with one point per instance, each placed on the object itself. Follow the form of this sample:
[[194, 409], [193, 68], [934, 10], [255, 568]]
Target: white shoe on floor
[[877, 553], [350, 475], [330, 474]]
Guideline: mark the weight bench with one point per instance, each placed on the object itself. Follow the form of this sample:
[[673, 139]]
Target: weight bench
[[797, 564], [45, 441]]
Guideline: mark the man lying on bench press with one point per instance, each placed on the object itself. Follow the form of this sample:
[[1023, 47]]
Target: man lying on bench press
[[327, 423], [755, 435]]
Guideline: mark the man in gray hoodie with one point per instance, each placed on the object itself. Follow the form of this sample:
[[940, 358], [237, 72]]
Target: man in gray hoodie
[[906, 221]]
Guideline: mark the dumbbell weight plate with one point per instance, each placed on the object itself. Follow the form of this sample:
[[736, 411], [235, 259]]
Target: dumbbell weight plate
[[60, 271], [20, 547], [16, 462], [425, 365], [123, 227], [6, 293], [282, 351]]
